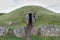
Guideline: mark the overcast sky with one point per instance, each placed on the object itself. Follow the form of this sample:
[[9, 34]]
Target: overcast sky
[[7, 6]]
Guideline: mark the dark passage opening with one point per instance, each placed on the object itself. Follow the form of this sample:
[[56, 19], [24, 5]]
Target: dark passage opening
[[29, 27], [30, 18]]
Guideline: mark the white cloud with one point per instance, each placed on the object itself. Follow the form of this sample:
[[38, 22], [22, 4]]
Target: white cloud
[[55, 7], [9, 5]]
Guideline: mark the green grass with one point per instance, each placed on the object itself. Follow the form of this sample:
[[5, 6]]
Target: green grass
[[36, 37], [44, 17]]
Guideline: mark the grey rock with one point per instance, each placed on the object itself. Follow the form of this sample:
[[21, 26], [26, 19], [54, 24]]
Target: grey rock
[[19, 32], [3, 31], [49, 30], [34, 17]]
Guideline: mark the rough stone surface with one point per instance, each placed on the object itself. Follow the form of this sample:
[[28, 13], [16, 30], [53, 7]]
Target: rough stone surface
[[34, 31], [3, 31], [49, 30], [19, 32], [34, 17]]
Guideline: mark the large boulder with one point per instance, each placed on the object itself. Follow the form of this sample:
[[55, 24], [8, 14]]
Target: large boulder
[[3, 31], [19, 32], [49, 30]]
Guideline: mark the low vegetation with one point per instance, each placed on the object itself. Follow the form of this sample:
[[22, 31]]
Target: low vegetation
[[11, 37], [44, 17]]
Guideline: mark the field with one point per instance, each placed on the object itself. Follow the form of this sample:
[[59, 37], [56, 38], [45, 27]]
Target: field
[[44, 17]]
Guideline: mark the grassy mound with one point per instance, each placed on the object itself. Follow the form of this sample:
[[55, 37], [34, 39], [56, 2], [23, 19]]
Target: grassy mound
[[44, 17]]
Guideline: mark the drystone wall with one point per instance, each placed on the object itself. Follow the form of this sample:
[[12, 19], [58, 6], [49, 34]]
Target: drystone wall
[[42, 30], [49, 30]]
